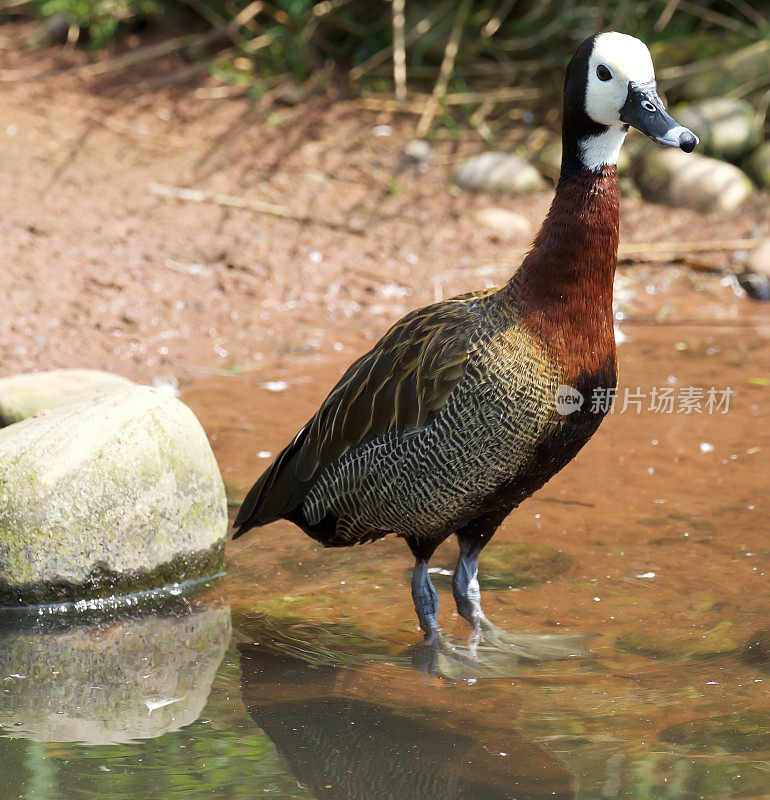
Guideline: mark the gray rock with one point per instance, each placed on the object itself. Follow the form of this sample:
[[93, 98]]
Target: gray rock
[[727, 128], [759, 259], [499, 172], [419, 151], [136, 678], [23, 396], [692, 181], [759, 165], [114, 494], [506, 224]]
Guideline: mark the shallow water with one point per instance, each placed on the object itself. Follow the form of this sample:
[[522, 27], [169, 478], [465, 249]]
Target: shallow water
[[653, 543]]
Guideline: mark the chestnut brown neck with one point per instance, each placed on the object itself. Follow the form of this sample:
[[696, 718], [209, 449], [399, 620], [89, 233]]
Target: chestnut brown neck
[[563, 289]]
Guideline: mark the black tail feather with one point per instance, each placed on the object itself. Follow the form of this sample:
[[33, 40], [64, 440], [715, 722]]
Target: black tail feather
[[277, 492]]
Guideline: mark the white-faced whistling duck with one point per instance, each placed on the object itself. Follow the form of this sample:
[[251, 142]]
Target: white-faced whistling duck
[[450, 422]]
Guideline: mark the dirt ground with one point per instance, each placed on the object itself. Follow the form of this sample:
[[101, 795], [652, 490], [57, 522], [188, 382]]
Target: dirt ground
[[102, 272]]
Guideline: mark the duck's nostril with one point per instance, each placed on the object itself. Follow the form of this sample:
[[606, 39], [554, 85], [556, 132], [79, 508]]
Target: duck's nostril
[[687, 141]]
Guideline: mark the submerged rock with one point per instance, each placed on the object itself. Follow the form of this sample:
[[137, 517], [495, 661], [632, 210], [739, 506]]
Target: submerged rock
[[728, 128], [757, 650], [504, 566], [114, 494], [134, 678], [712, 644], [733, 733], [23, 396], [510, 566], [499, 172], [692, 181]]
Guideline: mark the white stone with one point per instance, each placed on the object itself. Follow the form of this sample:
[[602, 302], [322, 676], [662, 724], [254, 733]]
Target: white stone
[[692, 181], [499, 172]]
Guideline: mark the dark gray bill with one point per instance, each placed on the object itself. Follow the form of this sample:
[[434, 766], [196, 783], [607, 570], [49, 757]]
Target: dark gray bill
[[645, 111]]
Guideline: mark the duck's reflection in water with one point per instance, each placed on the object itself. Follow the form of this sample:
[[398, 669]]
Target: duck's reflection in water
[[344, 736]]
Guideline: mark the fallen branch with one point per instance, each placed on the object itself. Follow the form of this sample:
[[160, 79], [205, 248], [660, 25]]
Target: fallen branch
[[125, 129], [636, 250], [249, 204], [418, 103]]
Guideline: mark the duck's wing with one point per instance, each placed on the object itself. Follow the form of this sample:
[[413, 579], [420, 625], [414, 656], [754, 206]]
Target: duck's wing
[[400, 384]]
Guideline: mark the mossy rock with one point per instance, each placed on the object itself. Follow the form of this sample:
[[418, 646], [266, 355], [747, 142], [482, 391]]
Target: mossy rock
[[512, 566], [713, 644], [23, 396], [115, 494], [732, 733]]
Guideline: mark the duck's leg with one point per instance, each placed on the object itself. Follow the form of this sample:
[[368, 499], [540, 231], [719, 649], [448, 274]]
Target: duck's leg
[[465, 584], [465, 587], [425, 599]]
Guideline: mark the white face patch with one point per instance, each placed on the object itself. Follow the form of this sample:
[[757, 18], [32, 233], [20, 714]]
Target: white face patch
[[627, 59]]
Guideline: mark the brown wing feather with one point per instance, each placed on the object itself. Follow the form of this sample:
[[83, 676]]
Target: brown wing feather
[[399, 384]]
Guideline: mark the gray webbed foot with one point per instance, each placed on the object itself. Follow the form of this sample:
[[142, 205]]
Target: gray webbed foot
[[531, 647]]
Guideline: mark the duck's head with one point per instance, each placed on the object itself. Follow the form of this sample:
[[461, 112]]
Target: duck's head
[[609, 85]]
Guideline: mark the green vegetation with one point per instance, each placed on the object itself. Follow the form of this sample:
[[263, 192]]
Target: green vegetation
[[509, 55]]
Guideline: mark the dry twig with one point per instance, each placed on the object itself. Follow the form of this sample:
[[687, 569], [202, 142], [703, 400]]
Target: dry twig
[[399, 51], [447, 65]]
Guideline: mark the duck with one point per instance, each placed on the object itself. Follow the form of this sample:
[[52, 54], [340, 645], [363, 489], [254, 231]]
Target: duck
[[468, 406]]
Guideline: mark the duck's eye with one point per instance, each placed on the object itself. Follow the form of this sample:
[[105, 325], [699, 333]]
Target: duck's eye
[[603, 74]]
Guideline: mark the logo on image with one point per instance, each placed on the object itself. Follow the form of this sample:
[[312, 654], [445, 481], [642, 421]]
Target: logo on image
[[568, 400]]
